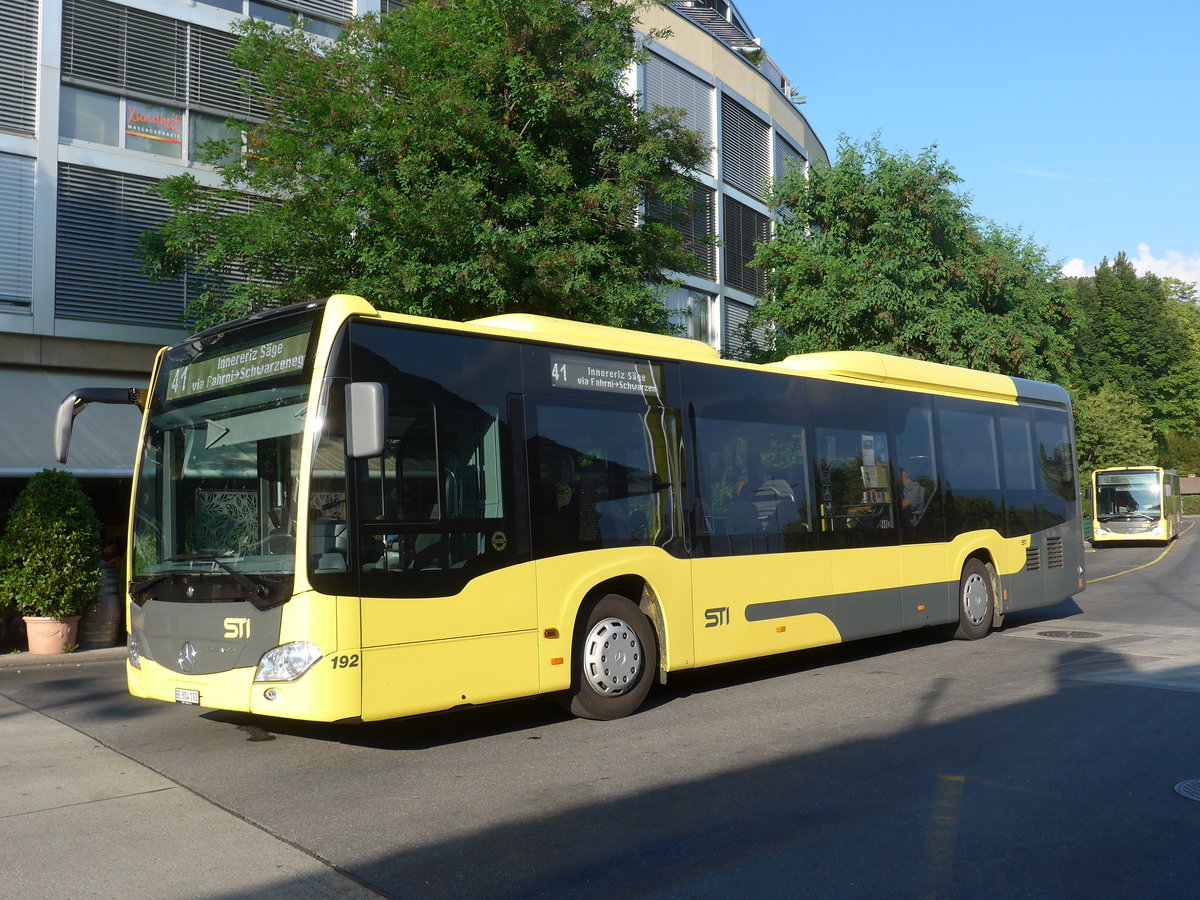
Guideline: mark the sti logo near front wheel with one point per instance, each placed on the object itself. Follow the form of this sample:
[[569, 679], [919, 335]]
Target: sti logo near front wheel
[[717, 616]]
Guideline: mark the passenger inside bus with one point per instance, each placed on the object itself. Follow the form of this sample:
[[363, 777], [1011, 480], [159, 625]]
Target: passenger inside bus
[[912, 500], [1123, 502]]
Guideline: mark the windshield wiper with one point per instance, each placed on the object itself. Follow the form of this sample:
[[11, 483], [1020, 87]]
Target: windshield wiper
[[264, 592], [257, 589], [139, 587]]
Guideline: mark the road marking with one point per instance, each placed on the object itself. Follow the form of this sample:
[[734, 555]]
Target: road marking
[[1167, 550], [941, 835]]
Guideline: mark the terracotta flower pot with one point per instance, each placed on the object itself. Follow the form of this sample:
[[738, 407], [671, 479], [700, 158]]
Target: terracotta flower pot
[[47, 636]]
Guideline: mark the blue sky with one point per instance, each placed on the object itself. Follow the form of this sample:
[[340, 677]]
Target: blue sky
[[1076, 123]]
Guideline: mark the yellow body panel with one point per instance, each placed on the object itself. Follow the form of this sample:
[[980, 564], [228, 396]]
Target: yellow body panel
[[313, 617], [416, 678], [730, 583], [423, 654], [498, 602]]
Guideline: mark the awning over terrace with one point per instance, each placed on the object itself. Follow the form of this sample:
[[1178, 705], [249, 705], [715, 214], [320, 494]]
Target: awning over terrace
[[104, 440]]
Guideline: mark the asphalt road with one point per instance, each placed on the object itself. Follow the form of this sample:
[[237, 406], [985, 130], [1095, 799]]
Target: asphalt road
[[1040, 762]]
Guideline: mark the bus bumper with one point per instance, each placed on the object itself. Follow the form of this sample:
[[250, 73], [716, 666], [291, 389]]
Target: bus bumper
[[325, 693]]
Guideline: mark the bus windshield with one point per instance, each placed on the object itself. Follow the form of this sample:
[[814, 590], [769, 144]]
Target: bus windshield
[[1127, 494], [218, 483]]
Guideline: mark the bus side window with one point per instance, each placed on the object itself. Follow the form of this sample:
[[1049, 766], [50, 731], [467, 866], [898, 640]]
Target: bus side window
[[594, 481], [855, 471], [920, 507], [970, 467], [1056, 467], [1020, 477], [328, 526], [434, 498]]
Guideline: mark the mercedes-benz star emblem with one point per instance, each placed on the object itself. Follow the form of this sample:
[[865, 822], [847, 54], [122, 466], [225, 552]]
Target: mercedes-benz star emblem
[[187, 657]]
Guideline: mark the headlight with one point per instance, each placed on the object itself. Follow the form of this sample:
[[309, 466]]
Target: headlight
[[287, 663], [135, 654]]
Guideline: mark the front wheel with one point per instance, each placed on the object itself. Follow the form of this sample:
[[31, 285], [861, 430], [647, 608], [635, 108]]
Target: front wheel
[[976, 601], [614, 657]]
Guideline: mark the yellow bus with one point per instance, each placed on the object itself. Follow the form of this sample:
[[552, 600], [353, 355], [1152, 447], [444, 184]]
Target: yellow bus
[[347, 515], [1135, 503]]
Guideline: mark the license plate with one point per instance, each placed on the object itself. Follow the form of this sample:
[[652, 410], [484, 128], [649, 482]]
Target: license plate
[[191, 698]]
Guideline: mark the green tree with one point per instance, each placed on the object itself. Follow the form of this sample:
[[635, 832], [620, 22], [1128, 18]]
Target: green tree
[[879, 251], [1112, 429], [1139, 337], [1183, 309], [1183, 450], [1182, 453], [453, 159]]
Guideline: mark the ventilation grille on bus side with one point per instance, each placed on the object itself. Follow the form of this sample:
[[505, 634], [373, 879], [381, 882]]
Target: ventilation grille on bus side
[[1033, 559], [1054, 553]]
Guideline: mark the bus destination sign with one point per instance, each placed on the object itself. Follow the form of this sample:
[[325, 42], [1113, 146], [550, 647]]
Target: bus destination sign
[[607, 375], [274, 359]]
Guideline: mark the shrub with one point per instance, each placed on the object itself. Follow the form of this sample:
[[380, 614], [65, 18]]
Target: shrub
[[48, 561]]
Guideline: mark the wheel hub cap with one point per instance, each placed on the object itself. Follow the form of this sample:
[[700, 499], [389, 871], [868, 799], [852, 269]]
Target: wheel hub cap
[[975, 599], [612, 657]]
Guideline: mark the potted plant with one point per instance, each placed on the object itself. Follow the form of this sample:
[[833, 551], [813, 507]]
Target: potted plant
[[48, 564]]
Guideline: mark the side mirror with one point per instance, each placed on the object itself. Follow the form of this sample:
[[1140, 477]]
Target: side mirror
[[76, 402], [365, 419]]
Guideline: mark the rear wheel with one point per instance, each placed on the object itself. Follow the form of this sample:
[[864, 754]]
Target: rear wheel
[[615, 658], [976, 601]]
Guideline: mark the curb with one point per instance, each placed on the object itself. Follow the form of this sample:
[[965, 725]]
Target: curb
[[30, 660]]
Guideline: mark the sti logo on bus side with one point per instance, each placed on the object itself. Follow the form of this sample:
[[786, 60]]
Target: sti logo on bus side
[[237, 628], [718, 615]]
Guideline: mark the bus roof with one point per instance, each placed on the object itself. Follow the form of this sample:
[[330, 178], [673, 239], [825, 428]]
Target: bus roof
[[916, 374], [846, 365], [600, 337]]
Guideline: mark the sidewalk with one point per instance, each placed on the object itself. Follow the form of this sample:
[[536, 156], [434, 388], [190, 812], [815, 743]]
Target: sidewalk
[[28, 660], [78, 819]]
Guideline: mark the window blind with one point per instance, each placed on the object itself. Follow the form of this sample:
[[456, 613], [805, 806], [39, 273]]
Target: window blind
[[98, 273], [215, 85], [697, 224], [669, 87], [16, 231], [18, 65], [128, 49], [338, 10], [744, 230], [745, 148]]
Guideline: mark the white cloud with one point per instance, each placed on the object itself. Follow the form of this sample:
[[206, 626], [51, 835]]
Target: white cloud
[[1173, 264]]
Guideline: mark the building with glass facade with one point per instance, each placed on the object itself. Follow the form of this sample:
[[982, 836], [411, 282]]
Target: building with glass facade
[[100, 99]]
